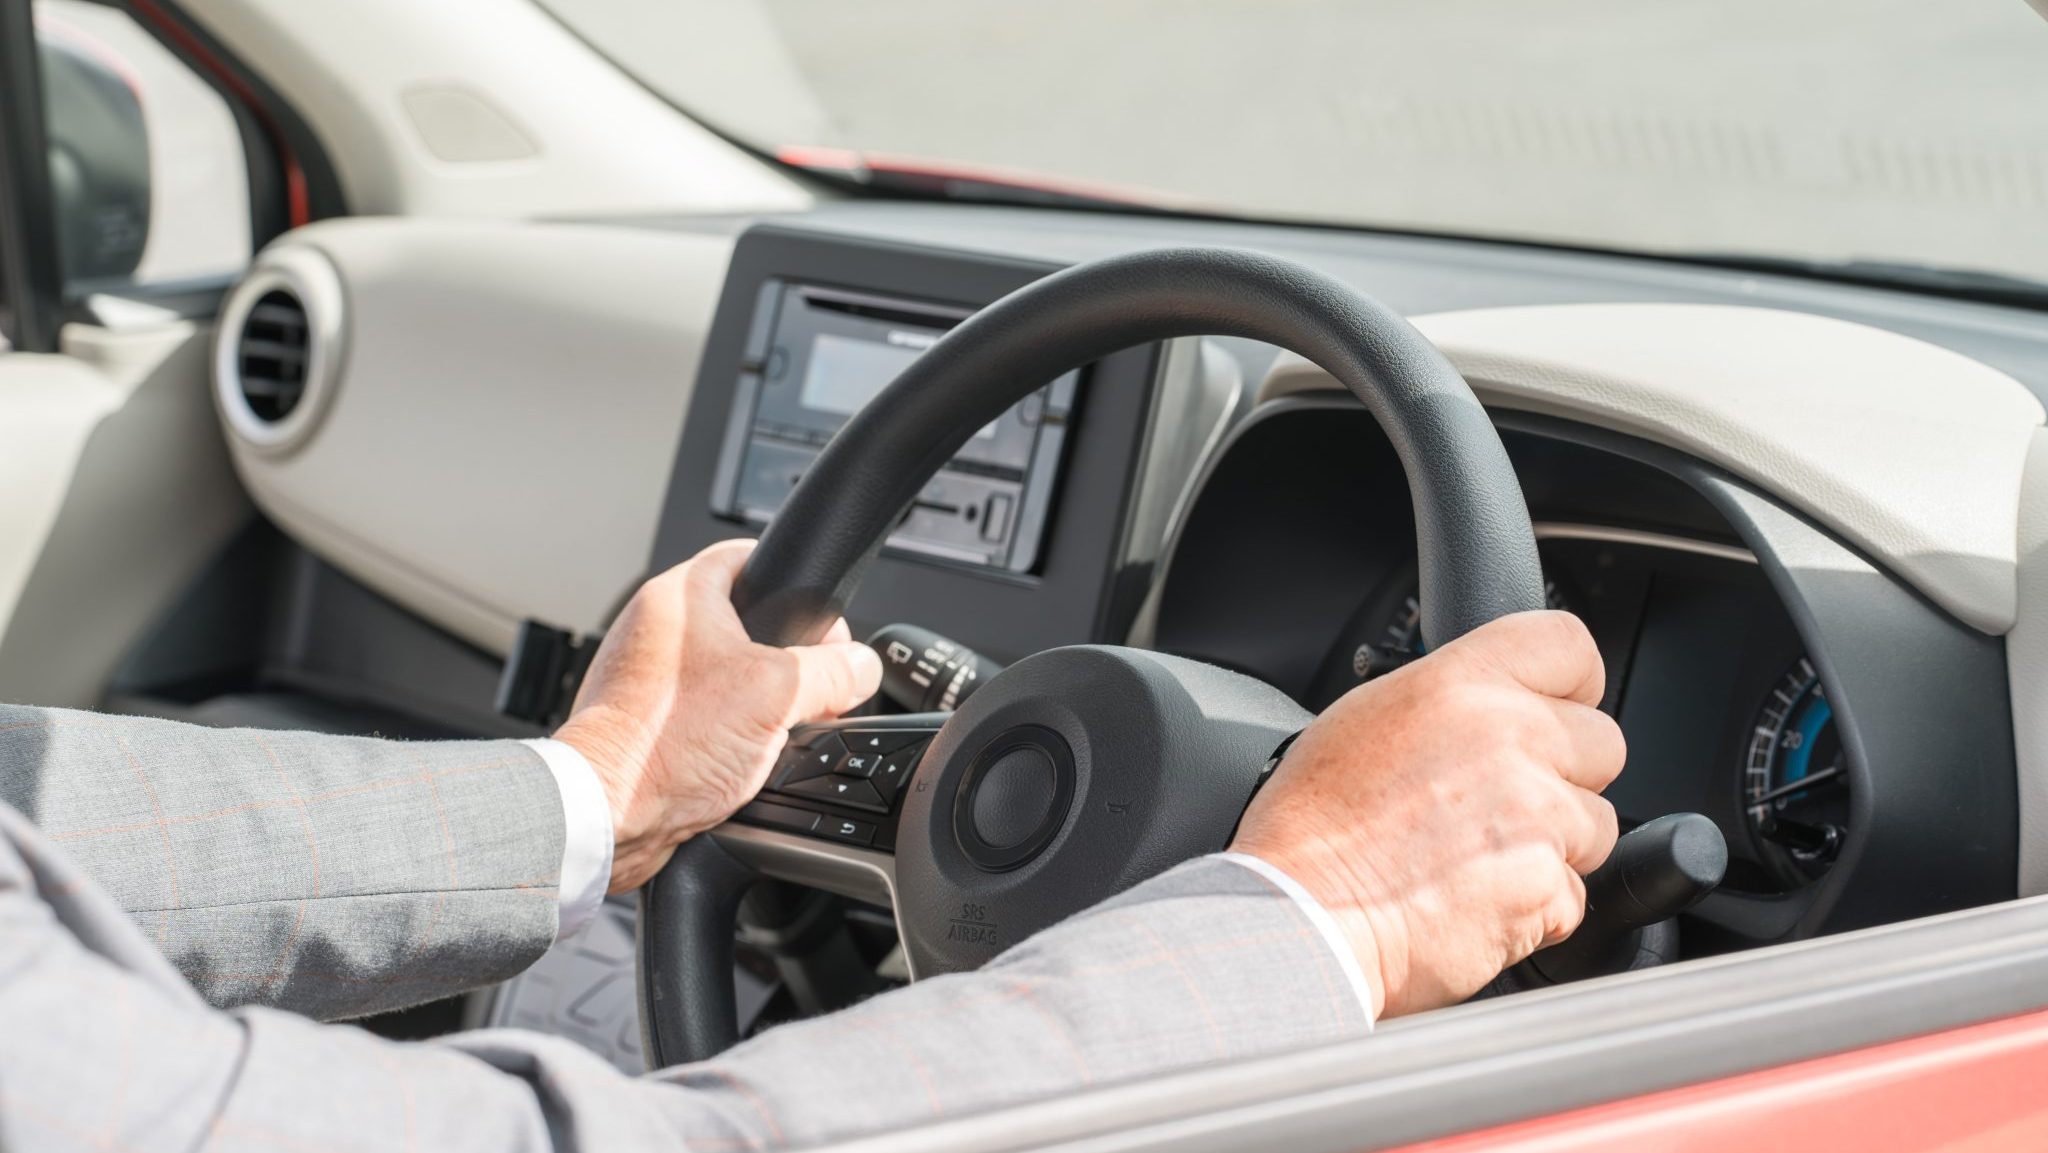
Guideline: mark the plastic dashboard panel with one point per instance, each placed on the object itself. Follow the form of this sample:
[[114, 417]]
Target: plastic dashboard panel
[[1919, 698], [1909, 451], [451, 322], [1079, 592]]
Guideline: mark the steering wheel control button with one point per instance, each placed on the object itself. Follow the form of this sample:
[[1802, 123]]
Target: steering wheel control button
[[774, 816], [883, 741], [861, 765], [895, 770], [1013, 798], [846, 829], [814, 760], [839, 790]]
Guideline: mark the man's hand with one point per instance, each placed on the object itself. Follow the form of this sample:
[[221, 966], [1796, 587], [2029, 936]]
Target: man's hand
[[1445, 813], [682, 716]]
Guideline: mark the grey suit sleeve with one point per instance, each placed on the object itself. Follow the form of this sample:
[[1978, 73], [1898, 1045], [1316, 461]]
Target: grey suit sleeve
[[332, 876], [107, 1050]]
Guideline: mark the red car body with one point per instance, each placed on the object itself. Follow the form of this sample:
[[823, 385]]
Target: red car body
[[1971, 1090]]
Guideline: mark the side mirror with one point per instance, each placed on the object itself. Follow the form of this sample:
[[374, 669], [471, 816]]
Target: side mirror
[[99, 161]]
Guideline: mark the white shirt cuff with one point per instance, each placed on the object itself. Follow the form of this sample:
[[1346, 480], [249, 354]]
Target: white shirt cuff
[[1347, 961], [587, 843]]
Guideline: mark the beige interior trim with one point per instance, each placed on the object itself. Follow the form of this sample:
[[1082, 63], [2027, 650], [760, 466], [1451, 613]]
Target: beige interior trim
[[547, 125], [1912, 453], [48, 406], [117, 493], [499, 440], [2026, 655], [509, 384]]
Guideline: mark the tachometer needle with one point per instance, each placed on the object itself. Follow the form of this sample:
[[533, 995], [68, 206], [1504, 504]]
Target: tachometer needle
[[1805, 782]]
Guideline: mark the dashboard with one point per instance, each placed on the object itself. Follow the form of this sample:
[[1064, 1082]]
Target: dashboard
[[980, 554], [1296, 564], [1724, 712], [1789, 513]]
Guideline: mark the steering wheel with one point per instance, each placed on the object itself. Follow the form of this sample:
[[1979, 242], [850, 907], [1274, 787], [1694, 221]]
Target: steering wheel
[[1081, 771]]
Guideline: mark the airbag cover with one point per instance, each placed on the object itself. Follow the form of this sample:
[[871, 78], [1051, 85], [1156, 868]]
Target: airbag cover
[[1161, 755]]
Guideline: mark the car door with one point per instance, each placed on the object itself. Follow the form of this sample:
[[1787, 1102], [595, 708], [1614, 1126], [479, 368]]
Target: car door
[[1920, 1036], [137, 176]]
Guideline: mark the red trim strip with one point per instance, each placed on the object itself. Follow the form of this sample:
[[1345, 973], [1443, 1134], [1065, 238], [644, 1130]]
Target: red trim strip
[[298, 203], [1972, 1090], [851, 162]]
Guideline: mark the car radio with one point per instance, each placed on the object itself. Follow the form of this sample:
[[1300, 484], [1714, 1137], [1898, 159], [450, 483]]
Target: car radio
[[815, 356]]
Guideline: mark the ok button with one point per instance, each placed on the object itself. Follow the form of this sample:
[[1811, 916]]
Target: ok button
[[862, 765]]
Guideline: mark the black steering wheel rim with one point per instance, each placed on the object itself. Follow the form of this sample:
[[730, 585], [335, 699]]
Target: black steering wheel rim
[[1475, 547], [1476, 553]]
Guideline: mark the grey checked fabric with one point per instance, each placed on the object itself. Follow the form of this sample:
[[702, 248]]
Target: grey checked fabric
[[332, 876], [104, 1046]]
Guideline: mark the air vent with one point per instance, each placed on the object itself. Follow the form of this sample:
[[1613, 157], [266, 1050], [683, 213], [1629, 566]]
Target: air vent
[[279, 348], [270, 358]]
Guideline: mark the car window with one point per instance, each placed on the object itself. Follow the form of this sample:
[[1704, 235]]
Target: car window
[[1891, 132], [148, 176]]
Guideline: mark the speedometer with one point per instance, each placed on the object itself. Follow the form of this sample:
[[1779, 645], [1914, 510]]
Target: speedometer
[[1401, 638], [1382, 635], [1795, 781]]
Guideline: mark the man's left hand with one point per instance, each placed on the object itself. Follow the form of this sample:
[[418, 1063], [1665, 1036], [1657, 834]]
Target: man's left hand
[[682, 715]]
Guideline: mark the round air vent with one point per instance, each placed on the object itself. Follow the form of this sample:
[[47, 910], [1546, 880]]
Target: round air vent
[[270, 358], [278, 348]]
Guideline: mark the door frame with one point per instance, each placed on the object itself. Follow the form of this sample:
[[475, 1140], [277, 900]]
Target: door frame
[[1535, 1055], [291, 182], [31, 277]]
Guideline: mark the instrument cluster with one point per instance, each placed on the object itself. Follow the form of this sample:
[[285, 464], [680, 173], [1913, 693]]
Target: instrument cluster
[[1724, 711]]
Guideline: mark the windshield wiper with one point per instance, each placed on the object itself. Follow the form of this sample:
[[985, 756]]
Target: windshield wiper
[[1968, 283], [927, 179]]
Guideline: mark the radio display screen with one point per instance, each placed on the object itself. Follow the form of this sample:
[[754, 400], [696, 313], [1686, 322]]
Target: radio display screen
[[845, 373], [824, 356]]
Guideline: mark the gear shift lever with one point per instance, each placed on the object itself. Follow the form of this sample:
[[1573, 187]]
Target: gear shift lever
[[1656, 872]]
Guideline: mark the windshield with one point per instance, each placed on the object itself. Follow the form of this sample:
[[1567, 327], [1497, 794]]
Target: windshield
[[1894, 131]]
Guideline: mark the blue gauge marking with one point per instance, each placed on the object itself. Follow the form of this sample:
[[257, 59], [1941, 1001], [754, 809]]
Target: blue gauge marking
[[1795, 756], [1798, 829]]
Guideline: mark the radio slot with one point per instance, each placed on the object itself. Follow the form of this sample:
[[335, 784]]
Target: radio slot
[[815, 355]]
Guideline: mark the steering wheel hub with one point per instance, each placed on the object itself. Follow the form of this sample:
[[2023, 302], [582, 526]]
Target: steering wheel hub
[[1070, 777], [1013, 798]]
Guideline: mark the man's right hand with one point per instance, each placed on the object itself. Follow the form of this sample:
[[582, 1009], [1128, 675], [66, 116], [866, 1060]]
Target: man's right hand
[[1445, 813]]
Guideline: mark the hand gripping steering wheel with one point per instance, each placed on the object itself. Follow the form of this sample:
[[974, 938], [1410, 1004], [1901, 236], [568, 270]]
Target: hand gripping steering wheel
[[1081, 771]]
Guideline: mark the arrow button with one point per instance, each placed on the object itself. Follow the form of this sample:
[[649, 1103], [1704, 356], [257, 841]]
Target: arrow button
[[882, 741], [839, 790], [815, 761]]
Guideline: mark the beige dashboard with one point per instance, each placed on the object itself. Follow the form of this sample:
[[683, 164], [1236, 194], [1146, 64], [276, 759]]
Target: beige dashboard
[[502, 418], [495, 438], [508, 399]]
